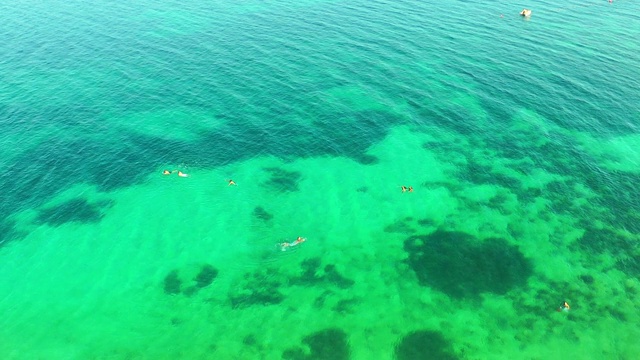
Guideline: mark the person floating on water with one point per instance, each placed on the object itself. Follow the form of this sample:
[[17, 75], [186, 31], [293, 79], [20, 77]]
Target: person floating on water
[[231, 182], [404, 188], [180, 173], [564, 307], [286, 245], [410, 188]]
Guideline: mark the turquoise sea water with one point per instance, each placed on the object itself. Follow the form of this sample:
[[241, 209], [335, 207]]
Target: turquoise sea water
[[520, 139]]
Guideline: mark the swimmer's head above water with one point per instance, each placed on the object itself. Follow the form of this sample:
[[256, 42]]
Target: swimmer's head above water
[[564, 307]]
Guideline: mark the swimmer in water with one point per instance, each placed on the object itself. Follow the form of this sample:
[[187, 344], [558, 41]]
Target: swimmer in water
[[286, 245], [166, 172], [181, 174], [564, 307], [410, 188], [404, 188], [231, 182]]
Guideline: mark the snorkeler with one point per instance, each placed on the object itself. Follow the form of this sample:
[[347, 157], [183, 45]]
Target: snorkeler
[[231, 182]]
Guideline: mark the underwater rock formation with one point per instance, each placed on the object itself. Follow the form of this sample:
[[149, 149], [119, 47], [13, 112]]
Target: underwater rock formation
[[607, 243], [328, 344], [172, 283], [206, 276], [268, 285], [424, 345], [283, 180], [605, 240], [313, 274], [76, 210], [262, 288], [461, 266], [401, 227], [8, 232], [332, 275], [187, 282], [262, 214]]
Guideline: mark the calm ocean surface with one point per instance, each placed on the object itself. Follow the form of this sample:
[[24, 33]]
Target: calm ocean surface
[[519, 138]]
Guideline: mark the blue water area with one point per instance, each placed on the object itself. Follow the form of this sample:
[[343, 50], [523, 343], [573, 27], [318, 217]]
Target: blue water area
[[520, 135]]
